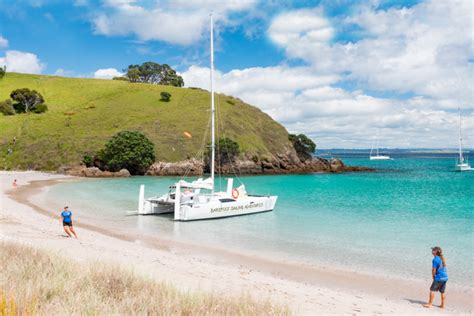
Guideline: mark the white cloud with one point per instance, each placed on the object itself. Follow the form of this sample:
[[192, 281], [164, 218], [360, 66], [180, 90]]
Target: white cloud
[[3, 42], [176, 22], [424, 49], [306, 25], [307, 102], [23, 62], [64, 73], [107, 73]]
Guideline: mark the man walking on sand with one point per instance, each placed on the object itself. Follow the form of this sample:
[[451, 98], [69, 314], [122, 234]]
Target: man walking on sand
[[66, 217]]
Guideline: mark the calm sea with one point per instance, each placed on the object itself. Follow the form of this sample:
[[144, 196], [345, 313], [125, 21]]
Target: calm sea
[[381, 222]]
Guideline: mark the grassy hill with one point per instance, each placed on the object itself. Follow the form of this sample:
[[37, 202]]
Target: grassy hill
[[84, 113]]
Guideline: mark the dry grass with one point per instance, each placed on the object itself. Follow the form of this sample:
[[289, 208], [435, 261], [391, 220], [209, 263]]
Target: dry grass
[[35, 282]]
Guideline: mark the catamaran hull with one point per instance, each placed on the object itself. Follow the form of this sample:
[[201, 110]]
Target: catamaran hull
[[380, 158], [464, 167], [155, 208], [225, 209]]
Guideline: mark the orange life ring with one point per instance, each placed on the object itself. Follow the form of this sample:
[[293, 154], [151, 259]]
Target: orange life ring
[[235, 193]]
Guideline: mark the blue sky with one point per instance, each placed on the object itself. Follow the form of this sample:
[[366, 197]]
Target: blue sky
[[62, 35], [337, 70]]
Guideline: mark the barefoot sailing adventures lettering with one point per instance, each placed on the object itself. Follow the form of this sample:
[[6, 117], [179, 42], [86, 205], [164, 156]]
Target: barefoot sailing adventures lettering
[[236, 207]]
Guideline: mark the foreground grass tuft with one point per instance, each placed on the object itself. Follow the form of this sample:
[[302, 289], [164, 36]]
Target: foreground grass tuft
[[35, 282]]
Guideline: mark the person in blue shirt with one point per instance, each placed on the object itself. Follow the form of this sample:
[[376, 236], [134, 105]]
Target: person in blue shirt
[[66, 217], [440, 276]]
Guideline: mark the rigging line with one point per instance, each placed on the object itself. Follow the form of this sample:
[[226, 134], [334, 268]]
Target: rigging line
[[219, 116], [198, 153], [201, 150]]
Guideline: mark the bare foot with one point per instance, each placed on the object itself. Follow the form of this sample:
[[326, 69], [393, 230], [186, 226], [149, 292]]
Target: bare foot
[[427, 305], [441, 306]]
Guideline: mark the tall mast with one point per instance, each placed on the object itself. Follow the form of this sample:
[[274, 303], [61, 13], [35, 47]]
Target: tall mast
[[461, 158], [377, 143], [213, 140]]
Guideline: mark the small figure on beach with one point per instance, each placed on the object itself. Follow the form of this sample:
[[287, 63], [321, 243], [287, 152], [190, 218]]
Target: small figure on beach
[[440, 276], [14, 184], [66, 217]]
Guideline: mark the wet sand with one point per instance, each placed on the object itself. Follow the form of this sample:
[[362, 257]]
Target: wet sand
[[305, 289]]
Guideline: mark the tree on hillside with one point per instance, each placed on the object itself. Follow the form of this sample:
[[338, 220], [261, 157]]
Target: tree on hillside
[[133, 75], [227, 150], [150, 72], [303, 145], [129, 150], [6, 107], [28, 100], [3, 71], [165, 96]]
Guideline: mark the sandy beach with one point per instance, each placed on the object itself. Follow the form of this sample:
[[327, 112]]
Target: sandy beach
[[304, 289]]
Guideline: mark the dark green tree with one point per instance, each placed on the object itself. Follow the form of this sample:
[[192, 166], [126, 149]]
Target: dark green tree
[[27, 100], [165, 96], [129, 150], [303, 145], [151, 72], [227, 150], [133, 74], [3, 71], [6, 107]]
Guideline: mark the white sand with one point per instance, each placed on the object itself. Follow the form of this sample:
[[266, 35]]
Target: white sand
[[305, 290]]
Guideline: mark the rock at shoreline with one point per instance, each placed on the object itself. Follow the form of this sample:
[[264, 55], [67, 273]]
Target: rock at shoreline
[[192, 167], [93, 172], [279, 164], [287, 164]]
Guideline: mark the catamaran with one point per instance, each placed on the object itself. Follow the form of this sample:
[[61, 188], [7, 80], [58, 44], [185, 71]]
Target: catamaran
[[377, 156], [197, 200], [462, 163]]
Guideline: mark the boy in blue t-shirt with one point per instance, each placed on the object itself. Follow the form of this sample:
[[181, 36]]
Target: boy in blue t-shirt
[[66, 218], [440, 276]]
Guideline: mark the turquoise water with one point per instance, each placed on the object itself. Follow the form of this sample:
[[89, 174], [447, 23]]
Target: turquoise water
[[383, 222]]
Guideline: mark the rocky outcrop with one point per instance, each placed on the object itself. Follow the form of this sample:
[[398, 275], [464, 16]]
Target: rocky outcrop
[[189, 167], [281, 164], [93, 172], [277, 164]]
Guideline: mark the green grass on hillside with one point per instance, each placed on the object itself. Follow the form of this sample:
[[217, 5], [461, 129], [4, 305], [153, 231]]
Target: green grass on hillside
[[84, 113]]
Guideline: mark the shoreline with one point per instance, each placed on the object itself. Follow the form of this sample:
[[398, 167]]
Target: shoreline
[[306, 289], [194, 167]]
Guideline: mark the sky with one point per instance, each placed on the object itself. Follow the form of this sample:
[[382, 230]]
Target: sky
[[341, 71]]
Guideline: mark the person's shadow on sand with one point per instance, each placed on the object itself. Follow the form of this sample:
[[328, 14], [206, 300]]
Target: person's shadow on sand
[[415, 301]]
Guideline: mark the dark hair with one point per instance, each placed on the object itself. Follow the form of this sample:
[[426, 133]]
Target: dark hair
[[439, 252]]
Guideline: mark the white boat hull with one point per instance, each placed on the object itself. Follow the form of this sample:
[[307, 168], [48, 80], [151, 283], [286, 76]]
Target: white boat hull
[[151, 206], [381, 157], [218, 209], [464, 167]]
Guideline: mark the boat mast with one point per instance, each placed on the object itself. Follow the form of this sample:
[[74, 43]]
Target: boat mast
[[213, 140], [461, 158], [377, 143]]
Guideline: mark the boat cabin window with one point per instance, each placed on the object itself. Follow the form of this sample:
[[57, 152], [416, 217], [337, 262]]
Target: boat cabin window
[[226, 200]]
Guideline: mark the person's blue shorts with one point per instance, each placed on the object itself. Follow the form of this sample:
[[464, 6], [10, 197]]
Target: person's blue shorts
[[438, 286]]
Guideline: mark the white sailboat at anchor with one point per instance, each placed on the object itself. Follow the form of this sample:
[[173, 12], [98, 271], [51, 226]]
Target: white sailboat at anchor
[[198, 199], [462, 164], [377, 155]]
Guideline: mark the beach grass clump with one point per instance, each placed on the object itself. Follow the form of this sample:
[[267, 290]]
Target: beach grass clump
[[35, 282]]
